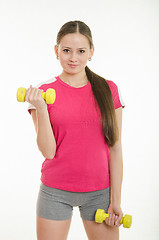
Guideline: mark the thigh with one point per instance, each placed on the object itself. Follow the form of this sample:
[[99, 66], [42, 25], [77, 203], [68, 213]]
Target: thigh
[[51, 229], [53, 214], [93, 201], [52, 204], [96, 231]]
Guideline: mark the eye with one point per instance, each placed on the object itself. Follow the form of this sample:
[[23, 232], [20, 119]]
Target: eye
[[82, 51], [66, 50]]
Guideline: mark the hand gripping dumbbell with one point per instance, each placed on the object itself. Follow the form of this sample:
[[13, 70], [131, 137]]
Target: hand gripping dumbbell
[[49, 96], [100, 216]]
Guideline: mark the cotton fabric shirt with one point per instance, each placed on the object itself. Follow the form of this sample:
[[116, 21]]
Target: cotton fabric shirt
[[81, 162]]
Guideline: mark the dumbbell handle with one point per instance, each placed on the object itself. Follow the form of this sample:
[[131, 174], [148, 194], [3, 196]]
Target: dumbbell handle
[[100, 216], [106, 215], [49, 95]]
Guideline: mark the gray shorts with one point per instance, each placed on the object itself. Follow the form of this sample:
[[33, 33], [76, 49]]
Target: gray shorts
[[56, 204]]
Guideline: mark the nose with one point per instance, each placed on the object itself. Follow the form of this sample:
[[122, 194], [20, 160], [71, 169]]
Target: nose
[[73, 57]]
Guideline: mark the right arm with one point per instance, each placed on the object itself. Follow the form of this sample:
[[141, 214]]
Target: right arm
[[45, 136]]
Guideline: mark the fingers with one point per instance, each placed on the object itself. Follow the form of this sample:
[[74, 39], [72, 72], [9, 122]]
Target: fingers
[[113, 220], [33, 95], [118, 219], [115, 215], [28, 93]]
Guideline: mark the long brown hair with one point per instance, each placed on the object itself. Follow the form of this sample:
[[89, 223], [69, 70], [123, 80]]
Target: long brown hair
[[100, 87]]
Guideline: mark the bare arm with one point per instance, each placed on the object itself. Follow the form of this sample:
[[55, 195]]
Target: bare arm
[[45, 136], [116, 176], [116, 163]]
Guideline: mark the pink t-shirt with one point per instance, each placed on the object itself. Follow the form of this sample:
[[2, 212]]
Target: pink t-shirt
[[81, 160]]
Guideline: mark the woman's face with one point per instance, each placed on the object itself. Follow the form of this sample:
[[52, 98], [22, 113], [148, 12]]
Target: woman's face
[[74, 52]]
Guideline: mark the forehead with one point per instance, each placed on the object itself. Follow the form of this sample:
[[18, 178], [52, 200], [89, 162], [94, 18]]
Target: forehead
[[74, 40]]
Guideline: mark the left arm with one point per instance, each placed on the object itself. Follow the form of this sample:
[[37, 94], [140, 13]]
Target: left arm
[[116, 163], [116, 175]]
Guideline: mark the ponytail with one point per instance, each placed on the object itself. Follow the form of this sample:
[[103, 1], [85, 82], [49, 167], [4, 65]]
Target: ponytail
[[103, 97]]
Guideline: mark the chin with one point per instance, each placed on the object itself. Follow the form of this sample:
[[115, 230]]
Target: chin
[[73, 71]]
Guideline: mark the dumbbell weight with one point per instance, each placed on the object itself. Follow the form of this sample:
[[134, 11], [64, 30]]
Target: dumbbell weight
[[100, 216], [49, 96]]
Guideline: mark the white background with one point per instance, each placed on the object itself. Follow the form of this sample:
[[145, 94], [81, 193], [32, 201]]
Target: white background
[[126, 37]]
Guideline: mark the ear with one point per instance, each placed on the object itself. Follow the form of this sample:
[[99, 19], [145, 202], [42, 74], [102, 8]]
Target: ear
[[56, 50], [91, 52]]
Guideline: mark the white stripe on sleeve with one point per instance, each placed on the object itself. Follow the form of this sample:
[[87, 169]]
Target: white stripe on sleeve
[[30, 106], [120, 97]]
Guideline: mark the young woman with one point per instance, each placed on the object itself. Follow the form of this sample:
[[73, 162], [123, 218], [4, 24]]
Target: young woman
[[80, 137]]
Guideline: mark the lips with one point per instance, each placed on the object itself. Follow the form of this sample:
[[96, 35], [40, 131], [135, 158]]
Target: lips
[[72, 65]]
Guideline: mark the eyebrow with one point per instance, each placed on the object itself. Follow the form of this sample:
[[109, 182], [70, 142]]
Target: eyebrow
[[70, 48]]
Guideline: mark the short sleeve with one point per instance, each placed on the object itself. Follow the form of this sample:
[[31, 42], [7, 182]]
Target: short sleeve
[[44, 86], [116, 95]]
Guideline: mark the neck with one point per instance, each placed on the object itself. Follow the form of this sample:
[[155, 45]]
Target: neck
[[74, 79]]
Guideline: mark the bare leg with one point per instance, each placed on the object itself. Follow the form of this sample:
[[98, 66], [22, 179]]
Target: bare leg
[[52, 230], [102, 231]]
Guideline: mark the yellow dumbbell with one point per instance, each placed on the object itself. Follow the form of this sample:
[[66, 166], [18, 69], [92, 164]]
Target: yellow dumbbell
[[49, 96], [100, 216]]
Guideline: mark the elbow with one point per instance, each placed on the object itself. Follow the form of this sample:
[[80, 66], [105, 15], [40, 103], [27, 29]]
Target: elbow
[[49, 155], [117, 147], [47, 152]]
